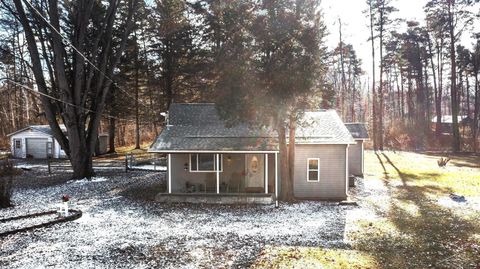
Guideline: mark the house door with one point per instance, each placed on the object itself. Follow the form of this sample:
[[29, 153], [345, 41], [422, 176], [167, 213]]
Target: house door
[[254, 164], [17, 148]]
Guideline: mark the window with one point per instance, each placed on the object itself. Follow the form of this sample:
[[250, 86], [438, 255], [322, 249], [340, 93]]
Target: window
[[18, 144], [204, 162], [49, 149], [313, 169]]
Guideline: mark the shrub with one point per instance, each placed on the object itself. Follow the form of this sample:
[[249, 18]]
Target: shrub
[[442, 162], [7, 171]]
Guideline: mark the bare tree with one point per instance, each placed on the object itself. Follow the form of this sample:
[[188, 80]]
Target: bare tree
[[81, 66]]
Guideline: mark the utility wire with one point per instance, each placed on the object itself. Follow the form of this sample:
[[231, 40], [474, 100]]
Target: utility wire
[[64, 102], [81, 54], [49, 96]]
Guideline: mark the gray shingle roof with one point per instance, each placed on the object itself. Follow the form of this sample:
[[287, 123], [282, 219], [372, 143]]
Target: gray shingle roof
[[358, 130], [322, 127], [41, 128], [198, 127]]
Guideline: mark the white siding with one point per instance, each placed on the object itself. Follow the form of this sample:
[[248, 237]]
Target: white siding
[[355, 158], [34, 134], [333, 179]]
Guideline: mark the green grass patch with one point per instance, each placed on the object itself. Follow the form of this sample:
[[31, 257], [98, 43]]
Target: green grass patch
[[131, 149], [308, 257], [460, 176], [415, 231]]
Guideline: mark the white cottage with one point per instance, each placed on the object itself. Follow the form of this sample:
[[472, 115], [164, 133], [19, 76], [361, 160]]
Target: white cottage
[[241, 162]]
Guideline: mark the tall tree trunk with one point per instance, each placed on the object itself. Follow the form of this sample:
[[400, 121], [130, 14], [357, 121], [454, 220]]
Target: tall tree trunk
[[73, 91], [475, 114], [410, 105], [438, 104], [137, 112], [354, 97], [374, 95], [453, 80], [80, 158], [380, 88], [291, 155], [137, 93], [435, 89], [342, 68], [467, 93], [111, 135], [286, 184], [402, 96]]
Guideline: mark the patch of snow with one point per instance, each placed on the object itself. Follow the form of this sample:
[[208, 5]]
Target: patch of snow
[[148, 167], [30, 166], [119, 231], [91, 180], [470, 203]]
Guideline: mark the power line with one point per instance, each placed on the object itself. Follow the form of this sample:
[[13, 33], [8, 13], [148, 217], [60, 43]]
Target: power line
[[81, 54], [66, 103]]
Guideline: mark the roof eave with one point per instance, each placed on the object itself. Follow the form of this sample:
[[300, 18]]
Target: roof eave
[[26, 128], [209, 151]]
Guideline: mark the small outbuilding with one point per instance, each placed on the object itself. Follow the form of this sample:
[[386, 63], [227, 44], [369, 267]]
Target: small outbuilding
[[37, 142], [356, 152]]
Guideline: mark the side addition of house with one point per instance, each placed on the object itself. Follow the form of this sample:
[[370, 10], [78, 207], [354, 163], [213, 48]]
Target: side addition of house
[[356, 154]]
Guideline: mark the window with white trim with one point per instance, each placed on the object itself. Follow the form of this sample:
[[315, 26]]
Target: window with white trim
[[313, 169], [18, 144], [205, 162]]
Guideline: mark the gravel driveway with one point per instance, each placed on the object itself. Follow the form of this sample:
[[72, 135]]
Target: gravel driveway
[[122, 227]]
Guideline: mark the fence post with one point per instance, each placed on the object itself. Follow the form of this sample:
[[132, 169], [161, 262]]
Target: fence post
[[154, 162], [126, 163], [49, 166]]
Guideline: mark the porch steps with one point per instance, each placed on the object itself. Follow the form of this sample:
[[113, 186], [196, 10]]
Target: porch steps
[[214, 198]]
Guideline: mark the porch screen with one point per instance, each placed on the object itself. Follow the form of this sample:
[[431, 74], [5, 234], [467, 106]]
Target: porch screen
[[204, 162]]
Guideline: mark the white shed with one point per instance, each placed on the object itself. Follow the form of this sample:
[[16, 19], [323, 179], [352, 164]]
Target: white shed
[[35, 141]]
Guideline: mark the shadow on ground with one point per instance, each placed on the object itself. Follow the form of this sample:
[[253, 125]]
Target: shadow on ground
[[416, 231], [471, 160]]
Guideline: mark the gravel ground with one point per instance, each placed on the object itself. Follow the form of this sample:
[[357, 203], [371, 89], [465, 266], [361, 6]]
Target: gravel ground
[[122, 227]]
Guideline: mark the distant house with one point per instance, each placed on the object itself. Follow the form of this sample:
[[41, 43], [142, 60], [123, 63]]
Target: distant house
[[356, 158], [37, 141], [447, 122], [205, 156]]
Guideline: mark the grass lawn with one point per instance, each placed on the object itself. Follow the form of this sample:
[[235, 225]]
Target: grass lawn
[[418, 224], [120, 152]]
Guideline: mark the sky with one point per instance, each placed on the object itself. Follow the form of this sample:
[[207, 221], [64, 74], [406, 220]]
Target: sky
[[355, 24]]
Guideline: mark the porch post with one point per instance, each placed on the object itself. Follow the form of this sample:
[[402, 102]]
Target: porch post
[[169, 166], [217, 157], [266, 173], [363, 161], [276, 176]]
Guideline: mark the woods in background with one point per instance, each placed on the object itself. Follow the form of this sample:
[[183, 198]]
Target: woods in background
[[425, 73], [115, 65]]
